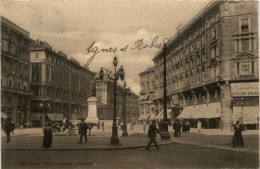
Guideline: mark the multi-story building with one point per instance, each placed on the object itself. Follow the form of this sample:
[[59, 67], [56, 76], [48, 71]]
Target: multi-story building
[[15, 72], [146, 104], [105, 105], [60, 85], [212, 66]]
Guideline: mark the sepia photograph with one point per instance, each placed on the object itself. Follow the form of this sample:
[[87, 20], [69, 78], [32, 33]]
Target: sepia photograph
[[135, 84]]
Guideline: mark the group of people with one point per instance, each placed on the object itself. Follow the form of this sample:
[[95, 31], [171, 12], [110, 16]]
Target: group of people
[[237, 140], [47, 139]]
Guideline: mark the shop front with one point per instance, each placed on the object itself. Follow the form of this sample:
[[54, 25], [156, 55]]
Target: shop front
[[245, 104], [208, 114]]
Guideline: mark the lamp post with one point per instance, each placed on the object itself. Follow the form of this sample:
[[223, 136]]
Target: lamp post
[[114, 76], [124, 94], [165, 134]]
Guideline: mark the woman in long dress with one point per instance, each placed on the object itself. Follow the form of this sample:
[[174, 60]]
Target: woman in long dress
[[237, 138], [47, 139]]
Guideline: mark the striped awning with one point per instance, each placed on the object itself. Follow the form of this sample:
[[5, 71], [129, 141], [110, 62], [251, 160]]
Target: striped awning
[[55, 117], [3, 115]]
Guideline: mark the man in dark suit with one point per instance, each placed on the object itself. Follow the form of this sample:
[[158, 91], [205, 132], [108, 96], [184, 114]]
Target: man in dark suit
[[8, 128], [83, 130], [152, 134]]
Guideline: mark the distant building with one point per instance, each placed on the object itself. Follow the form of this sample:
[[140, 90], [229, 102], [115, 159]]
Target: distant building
[[105, 96], [146, 104], [213, 67], [61, 86], [15, 73]]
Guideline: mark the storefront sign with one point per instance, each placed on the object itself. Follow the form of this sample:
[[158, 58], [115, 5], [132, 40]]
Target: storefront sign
[[245, 76], [245, 89]]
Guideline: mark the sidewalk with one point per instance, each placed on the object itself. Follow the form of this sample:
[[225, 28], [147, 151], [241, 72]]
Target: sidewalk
[[99, 140]]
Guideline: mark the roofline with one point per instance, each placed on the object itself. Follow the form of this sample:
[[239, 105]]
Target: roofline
[[14, 24], [188, 25], [70, 61]]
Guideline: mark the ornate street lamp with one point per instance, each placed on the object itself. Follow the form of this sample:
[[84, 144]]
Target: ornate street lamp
[[114, 76], [165, 134], [124, 94]]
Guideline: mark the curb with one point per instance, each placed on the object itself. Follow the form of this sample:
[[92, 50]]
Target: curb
[[243, 150], [86, 148]]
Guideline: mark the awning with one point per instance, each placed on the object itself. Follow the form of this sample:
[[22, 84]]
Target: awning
[[36, 116], [175, 99], [3, 115], [55, 117], [160, 115], [187, 113], [144, 97], [212, 110]]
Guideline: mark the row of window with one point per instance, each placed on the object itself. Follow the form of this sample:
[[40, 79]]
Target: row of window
[[13, 83], [65, 65]]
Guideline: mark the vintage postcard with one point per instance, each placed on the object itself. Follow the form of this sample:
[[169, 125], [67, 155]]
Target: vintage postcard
[[138, 84]]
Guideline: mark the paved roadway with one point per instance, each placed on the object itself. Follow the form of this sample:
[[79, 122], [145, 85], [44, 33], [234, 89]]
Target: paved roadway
[[169, 156]]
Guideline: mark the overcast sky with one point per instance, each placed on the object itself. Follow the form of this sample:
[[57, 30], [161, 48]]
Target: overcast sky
[[73, 25]]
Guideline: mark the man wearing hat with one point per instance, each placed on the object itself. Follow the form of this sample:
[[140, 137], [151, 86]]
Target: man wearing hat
[[83, 130], [152, 134]]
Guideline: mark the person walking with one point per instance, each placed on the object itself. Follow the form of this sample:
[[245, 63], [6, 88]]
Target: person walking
[[47, 138], [103, 126], [178, 128], [199, 126], [174, 126], [83, 130], [8, 128], [188, 125], [237, 140], [152, 134]]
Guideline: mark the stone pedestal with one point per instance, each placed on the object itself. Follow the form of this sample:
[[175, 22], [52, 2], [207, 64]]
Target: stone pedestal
[[92, 110]]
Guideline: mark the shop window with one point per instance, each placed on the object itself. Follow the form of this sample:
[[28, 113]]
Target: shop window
[[244, 25]]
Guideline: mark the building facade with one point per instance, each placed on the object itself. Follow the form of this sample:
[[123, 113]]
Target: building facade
[[212, 66], [146, 104], [105, 105], [60, 85], [15, 73]]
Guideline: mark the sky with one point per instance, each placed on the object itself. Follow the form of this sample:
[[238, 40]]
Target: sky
[[101, 29]]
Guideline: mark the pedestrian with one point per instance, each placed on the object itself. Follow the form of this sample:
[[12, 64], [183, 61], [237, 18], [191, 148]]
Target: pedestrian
[[152, 134], [178, 128], [83, 130], [98, 126], [14, 127], [144, 125], [8, 128], [103, 126], [188, 125], [237, 140], [47, 138], [184, 127], [174, 126], [199, 126]]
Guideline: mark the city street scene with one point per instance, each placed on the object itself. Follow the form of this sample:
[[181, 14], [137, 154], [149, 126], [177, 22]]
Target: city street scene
[[129, 84]]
